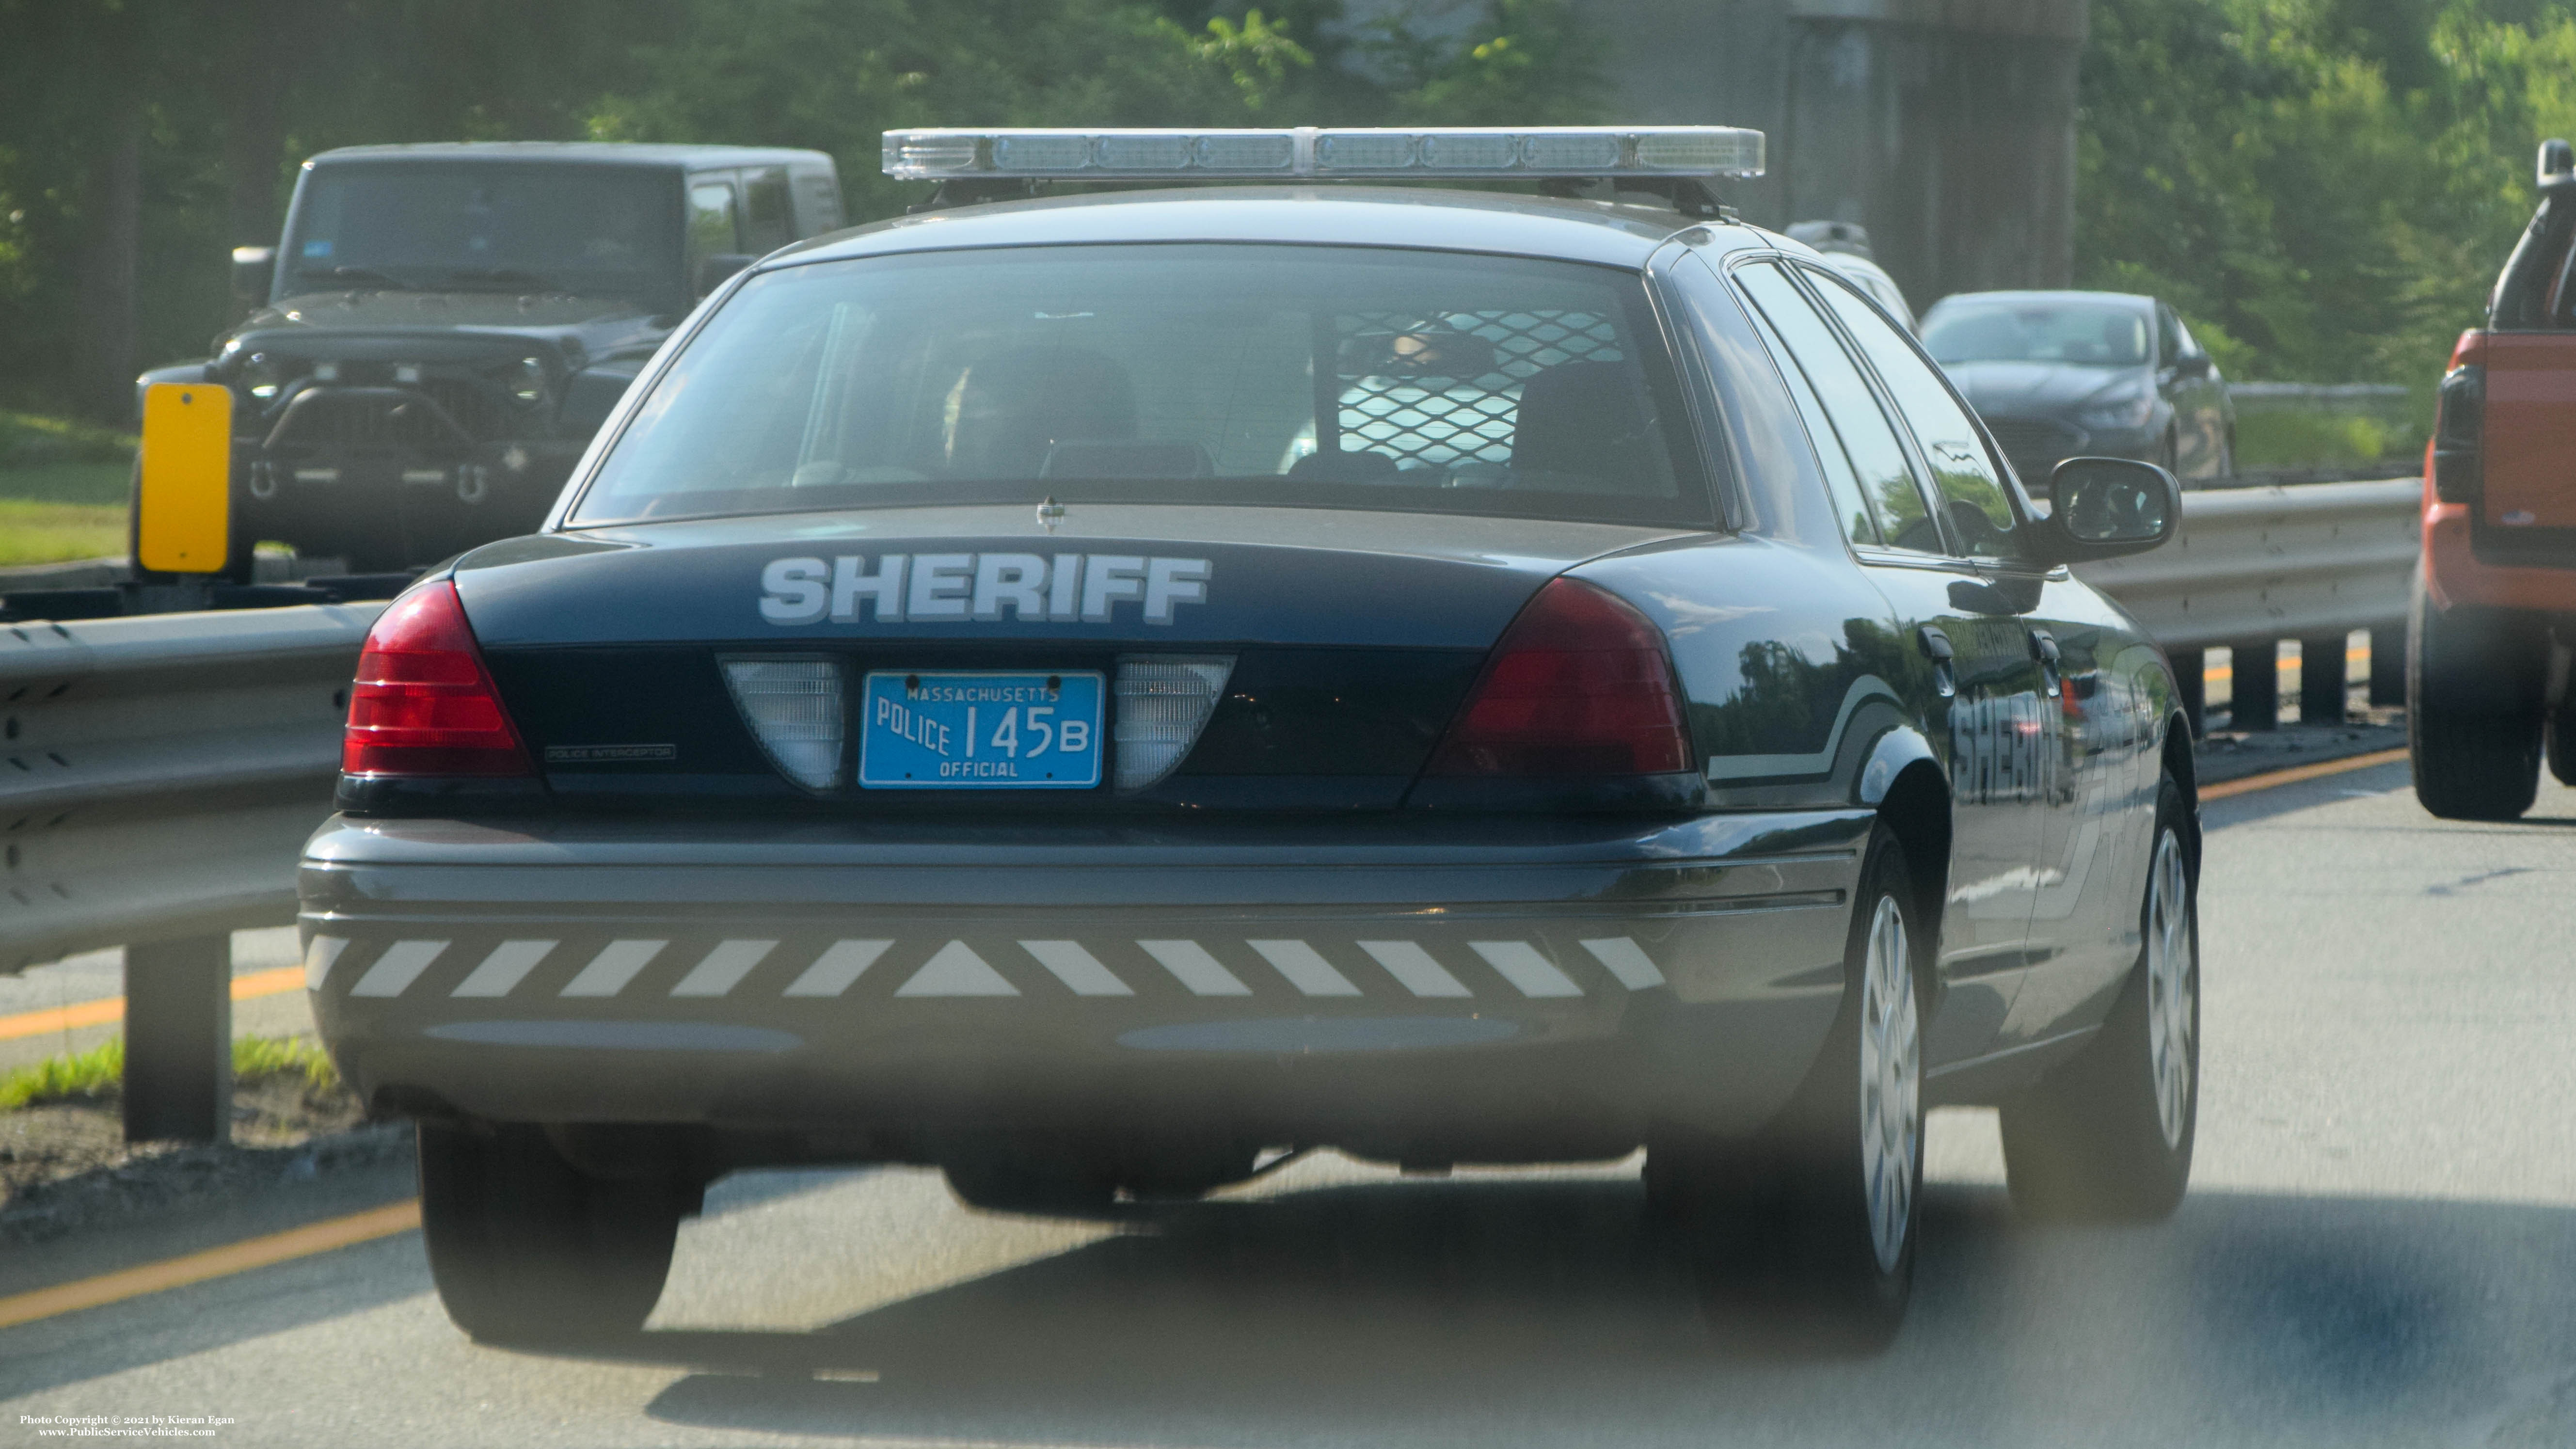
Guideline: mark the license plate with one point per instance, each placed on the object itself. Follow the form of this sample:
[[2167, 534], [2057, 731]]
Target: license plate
[[961, 730]]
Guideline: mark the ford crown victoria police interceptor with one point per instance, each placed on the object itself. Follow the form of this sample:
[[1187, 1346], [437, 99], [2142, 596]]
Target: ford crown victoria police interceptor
[[1095, 693]]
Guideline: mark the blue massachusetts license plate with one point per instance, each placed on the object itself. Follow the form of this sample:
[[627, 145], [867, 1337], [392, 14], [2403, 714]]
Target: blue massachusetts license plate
[[957, 730]]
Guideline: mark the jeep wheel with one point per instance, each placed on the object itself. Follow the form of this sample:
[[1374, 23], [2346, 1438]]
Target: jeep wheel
[[2108, 1137], [1803, 1238], [2473, 708], [526, 1249]]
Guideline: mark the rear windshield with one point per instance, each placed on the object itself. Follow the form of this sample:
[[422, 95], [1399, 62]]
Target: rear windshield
[[491, 225], [1273, 375], [2087, 333]]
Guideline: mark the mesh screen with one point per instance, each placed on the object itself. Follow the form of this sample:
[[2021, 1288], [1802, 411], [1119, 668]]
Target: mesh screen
[[1438, 421]]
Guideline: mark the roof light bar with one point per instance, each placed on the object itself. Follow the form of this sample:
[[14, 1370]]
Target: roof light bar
[[1436, 153]]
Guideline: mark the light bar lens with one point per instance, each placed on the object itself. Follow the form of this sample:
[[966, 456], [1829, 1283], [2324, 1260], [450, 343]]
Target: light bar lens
[[794, 709], [1457, 152]]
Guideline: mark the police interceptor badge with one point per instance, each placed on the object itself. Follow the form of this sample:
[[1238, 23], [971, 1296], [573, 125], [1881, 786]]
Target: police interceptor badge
[[960, 588]]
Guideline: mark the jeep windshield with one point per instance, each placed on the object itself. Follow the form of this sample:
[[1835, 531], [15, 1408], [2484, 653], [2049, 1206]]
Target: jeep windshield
[[518, 226], [1254, 374]]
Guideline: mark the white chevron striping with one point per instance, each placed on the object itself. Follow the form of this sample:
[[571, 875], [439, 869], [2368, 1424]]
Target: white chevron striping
[[507, 966], [1190, 963], [1524, 967], [1305, 968], [1413, 967], [614, 966], [1077, 968], [957, 971], [1626, 961], [833, 972], [723, 968], [318, 957], [398, 968]]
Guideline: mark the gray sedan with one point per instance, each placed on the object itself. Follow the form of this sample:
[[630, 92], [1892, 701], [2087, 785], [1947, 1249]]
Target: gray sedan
[[2057, 374]]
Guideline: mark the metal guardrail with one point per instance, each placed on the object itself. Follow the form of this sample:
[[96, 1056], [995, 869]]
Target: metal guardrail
[[2256, 564], [158, 775]]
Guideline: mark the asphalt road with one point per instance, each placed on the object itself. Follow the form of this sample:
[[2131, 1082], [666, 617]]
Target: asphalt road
[[2379, 1248]]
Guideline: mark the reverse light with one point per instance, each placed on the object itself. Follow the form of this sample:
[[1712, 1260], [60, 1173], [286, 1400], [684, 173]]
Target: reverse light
[[794, 708], [423, 704], [1580, 684], [1164, 700]]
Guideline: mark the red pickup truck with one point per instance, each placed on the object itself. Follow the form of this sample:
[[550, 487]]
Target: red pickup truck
[[2495, 604]]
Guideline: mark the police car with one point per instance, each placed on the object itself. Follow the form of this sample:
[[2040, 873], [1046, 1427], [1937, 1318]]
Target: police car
[[1101, 692]]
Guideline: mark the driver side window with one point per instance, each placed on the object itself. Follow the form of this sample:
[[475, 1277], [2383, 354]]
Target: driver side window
[[1972, 491]]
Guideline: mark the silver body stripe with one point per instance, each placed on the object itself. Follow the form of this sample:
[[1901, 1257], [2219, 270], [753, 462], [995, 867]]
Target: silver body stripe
[[614, 966], [957, 971], [723, 968], [836, 969], [318, 958], [1627, 961], [1077, 968], [1191, 965], [1305, 968], [1524, 967], [1413, 968], [398, 968], [501, 971]]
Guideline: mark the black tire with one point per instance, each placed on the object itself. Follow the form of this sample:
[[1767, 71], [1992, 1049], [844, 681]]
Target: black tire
[[2108, 1137], [2473, 708], [1788, 1247], [2562, 744], [528, 1250]]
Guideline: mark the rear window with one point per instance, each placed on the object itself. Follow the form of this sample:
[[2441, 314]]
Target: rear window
[[1271, 375]]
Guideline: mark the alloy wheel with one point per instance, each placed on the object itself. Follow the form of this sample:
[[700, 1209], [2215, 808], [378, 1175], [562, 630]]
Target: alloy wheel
[[1891, 1106], [2171, 987]]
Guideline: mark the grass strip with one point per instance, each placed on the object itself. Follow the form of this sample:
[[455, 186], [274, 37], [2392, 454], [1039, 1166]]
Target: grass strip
[[100, 1072]]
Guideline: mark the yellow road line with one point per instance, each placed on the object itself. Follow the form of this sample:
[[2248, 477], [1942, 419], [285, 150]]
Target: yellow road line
[[2294, 775], [112, 1008], [231, 1258]]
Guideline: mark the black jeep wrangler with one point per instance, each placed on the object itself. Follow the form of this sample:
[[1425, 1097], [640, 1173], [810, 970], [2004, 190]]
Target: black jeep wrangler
[[444, 327]]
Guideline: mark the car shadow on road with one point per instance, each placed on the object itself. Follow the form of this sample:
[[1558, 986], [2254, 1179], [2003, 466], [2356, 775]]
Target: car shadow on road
[[1511, 1312]]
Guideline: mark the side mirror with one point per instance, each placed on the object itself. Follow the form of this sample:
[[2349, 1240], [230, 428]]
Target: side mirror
[[713, 269], [253, 269], [2194, 364], [2106, 507]]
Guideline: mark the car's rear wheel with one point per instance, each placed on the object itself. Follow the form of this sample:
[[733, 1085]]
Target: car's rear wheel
[[2108, 1137], [2474, 712], [1803, 1238], [2562, 744], [527, 1249]]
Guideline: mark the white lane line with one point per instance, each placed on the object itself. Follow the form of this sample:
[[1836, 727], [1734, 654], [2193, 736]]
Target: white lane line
[[957, 971], [1077, 968], [1189, 962], [398, 968], [723, 968], [507, 966], [833, 972], [1524, 967], [1626, 961], [614, 966], [1413, 968], [1305, 968], [318, 958]]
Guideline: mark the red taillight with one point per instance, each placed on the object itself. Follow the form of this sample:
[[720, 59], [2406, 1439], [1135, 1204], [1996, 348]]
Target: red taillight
[[1579, 685], [423, 703]]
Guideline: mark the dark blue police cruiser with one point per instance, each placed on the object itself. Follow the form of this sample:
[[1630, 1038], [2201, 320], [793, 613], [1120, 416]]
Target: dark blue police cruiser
[[1099, 692]]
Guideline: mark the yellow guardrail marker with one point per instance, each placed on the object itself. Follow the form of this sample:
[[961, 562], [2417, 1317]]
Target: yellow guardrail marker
[[183, 506]]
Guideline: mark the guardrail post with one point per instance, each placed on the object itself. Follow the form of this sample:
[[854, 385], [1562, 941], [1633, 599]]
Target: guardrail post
[[2191, 686], [2324, 674], [2254, 696], [179, 1040], [2388, 664]]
